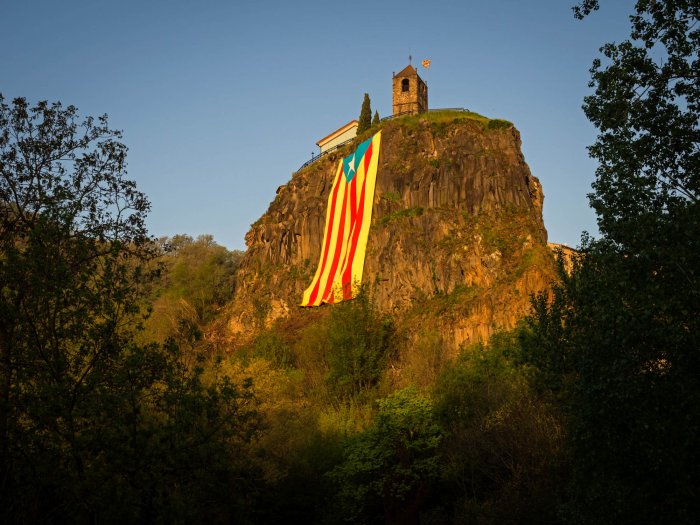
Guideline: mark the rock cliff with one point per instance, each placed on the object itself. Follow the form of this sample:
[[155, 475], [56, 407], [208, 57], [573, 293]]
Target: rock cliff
[[457, 242]]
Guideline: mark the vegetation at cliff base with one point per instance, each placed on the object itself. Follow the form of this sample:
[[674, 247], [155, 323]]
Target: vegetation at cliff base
[[196, 279]]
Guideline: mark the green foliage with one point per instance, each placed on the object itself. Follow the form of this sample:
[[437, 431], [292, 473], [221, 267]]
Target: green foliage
[[66, 277], [388, 468], [375, 119], [358, 340], [440, 128], [585, 8], [616, 345], [497, 123], [201, 272], [261, 309], [303, 494], [617, 340], [415, 211], [646, 107], [95, 427], [440, 121], [197, 278], [391, 196], [422, 360], [365, 120], [343, 354], [446, 302], [271, 345], [503, 444]]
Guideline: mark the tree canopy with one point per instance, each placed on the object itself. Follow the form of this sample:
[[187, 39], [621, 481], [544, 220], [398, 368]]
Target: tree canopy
[[95, 427], [617, 342], [646, 105], [365, 121]]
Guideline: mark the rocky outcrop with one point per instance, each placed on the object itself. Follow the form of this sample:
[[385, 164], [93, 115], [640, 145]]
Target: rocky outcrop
[[457, 240]]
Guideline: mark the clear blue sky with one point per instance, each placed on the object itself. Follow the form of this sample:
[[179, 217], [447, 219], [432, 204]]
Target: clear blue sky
[[220, 101]]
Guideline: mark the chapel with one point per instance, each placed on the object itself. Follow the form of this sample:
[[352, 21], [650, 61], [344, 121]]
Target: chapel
[[410, 92]]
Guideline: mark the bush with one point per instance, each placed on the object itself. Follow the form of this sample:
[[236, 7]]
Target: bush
[[389, 468], [270, 345], [358, 346], [498, 123], [504, 443]]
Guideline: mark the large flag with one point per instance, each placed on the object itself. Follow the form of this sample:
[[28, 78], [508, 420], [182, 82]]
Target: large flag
[[348, 217]]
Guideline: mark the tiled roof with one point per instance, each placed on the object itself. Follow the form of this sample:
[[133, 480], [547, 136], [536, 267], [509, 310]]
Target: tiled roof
[[408, 71]]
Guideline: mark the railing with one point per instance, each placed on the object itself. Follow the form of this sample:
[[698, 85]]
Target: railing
[[326, 152], [314, 158]]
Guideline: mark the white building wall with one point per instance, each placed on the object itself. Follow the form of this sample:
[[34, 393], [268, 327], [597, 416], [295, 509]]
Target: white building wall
[[346, 135]]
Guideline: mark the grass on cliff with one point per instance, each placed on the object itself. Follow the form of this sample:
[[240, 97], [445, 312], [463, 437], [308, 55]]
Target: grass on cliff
[[439, 120], [415, 211]]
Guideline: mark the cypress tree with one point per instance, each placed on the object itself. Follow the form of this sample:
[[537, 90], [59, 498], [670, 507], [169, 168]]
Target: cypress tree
[[365, 116], [375, 120]]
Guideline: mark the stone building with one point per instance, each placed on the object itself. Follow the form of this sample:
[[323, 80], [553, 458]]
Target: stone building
[[410, 93]]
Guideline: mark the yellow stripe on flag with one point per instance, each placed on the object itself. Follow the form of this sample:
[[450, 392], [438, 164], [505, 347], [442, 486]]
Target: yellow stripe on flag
[[359, 260], [317, 276], [348, 218]]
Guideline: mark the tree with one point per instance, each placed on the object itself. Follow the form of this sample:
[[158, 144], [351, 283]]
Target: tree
[[617, 341], [375, 119], [197, 279], [392, 464], [646, 105], [93, 426], [502, 450], [358, 341], [69, 225], [365, 116]]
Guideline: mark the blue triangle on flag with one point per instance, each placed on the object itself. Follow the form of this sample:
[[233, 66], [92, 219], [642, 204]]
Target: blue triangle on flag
[[352, 162]]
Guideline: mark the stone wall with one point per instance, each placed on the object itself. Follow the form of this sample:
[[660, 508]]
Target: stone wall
[[415, 100]]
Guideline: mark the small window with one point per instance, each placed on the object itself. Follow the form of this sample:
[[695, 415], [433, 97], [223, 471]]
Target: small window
[[404, 84]]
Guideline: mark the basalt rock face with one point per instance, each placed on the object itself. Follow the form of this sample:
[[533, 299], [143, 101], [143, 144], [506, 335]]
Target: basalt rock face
[[457, 242]]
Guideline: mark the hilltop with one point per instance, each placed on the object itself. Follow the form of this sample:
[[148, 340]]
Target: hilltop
[[457, 242]]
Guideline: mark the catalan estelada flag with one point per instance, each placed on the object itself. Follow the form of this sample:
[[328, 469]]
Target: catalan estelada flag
[[348, 217]]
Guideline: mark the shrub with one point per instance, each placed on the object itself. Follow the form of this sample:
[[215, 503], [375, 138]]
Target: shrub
[[388, 469], [503, 449], [498, 123], [358, 342]]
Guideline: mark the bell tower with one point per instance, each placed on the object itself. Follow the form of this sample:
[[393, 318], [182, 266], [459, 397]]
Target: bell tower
[[410, 93]]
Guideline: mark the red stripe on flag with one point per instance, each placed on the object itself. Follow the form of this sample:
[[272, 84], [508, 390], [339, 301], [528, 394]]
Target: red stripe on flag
[[353, 220], [314, 293], [353, 200], [336, 253], [347, 274], [368, 156]]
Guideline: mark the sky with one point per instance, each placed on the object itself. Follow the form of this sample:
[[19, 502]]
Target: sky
[[221, 101]]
